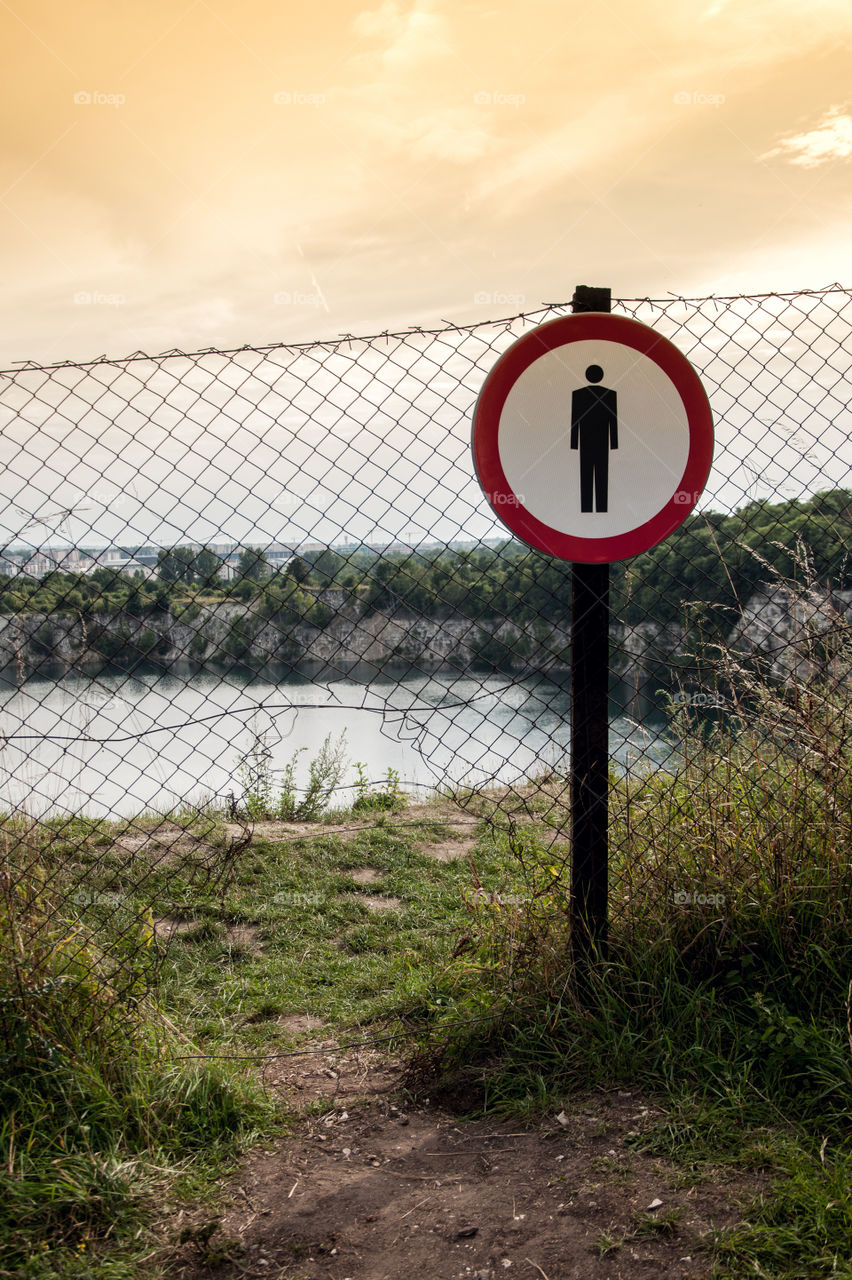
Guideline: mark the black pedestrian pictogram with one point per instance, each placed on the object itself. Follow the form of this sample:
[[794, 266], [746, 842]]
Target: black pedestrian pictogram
[[594, 430]]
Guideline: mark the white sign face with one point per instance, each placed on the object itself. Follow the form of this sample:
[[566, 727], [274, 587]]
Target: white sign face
[[630, 473], [592, 437]]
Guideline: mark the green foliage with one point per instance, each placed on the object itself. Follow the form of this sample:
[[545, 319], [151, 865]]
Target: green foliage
[[161, 601], [387, 797], [183, 564], [198, 645], [319, 614], [104, 590], [300, 571], [135, 604], [802, 1227], [176, 565], [285, 603], [718, 562], [252, 565], [110, 642], [696, 581], [288, 801], [324, 774], [244, 589], [700, 576], [237, 645], [186, 612], [255, 774], [44, 639], [146, 641], [492, 651], [91, 1100], [726, 981], [207, 567], [325, 771]]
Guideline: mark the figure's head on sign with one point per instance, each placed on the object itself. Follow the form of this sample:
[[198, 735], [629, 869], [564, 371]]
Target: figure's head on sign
[[592, 438]]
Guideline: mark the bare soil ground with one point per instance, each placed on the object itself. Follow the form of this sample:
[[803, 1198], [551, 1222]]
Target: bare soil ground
[[442, 812], [367, 1187]]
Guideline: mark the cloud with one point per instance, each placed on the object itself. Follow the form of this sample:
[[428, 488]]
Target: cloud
[[398, 88], [713, 10], [447, 133], [830, 140], [409, 38]]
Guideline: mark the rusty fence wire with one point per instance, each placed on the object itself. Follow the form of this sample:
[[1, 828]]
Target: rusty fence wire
[[257, 583]]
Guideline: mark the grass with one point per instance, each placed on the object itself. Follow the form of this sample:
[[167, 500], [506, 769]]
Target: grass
[[95, 1107], [727, 981], [132, 947], [323, 950], [802, 1226], [289, 930], [97, 1110]]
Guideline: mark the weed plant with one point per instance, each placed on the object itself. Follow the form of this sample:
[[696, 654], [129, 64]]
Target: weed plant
[[263, 801], [388, 797]]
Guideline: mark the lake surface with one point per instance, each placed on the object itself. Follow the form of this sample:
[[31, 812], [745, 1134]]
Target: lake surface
[[118, 745]]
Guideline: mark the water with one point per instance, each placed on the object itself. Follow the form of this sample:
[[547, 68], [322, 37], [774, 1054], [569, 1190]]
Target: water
[[118, 745]]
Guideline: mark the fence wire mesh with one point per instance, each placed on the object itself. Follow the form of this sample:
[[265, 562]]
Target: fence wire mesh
[[216, 563]]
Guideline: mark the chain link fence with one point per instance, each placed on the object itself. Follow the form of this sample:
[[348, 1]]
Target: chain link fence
[[259, 582]]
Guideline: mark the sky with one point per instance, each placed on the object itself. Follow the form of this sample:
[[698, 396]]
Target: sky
[[213, 174]]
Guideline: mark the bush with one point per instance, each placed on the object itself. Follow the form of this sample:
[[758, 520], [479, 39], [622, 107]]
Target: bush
[[730, 937], [146, 641], [388, 796], [240, 638], [110, 643], [261, 801], [91, 1103], [187, 612], [44, 639]]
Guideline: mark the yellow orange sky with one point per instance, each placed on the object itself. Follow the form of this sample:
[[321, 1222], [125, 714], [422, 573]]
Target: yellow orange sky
[[226, 171]]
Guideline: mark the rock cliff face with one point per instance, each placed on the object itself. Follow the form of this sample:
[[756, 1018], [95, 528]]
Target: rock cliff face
[[225, 635], [794, 633], [774, 624]]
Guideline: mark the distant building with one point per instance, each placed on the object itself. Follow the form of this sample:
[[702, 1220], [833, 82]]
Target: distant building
[[35, 562]]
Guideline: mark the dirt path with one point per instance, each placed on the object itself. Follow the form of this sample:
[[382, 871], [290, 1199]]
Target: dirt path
[[367, 1189]]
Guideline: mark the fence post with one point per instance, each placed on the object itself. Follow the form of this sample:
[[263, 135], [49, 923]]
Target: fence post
[[589, 633]]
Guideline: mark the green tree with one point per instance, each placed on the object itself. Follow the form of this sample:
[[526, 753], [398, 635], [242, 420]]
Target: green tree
[[207, 566], [298, 569], [252, 565], [176, 565]]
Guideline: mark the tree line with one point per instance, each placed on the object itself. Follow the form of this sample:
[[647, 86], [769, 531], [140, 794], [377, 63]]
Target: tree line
[[702, 574]]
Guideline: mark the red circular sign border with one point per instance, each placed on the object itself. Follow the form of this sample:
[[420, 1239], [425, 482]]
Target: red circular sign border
[[486, 424]]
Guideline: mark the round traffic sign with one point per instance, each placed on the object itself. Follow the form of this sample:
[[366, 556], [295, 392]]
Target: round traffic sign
[[592, 437]]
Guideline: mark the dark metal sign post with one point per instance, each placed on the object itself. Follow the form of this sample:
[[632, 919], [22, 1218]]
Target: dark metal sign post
[[589, 734], [592, 441]]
